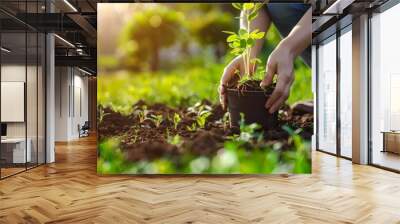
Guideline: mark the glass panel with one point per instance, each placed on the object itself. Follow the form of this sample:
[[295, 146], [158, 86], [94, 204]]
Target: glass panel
[[385, 84], [41, 99], [31, 97], [32, 88], [13, 86], [22, 89], [346, 94], [327, 96]]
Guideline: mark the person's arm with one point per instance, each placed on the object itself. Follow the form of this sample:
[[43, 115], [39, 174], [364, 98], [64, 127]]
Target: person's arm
[[300, 36], [281, 60], [262, 23]]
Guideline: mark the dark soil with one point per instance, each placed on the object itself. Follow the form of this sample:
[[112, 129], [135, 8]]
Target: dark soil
[[142, 138], [254, 85]]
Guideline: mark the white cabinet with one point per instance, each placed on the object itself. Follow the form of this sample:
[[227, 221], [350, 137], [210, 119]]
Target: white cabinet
[[16, 147]]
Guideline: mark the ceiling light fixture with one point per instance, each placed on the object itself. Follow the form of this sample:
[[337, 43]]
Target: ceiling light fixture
[[5, 50], [65, 41], [84, 71], [337, 7], [70, 5]]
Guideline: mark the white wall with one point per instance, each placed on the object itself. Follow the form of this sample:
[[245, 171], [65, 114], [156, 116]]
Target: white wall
[[15, 73], [33, 126], [62, 81], [71, 94]]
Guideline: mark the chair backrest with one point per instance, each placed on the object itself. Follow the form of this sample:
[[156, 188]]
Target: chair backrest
[[86, 125]]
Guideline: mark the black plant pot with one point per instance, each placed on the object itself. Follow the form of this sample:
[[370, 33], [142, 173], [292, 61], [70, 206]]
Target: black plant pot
[[252, 105]]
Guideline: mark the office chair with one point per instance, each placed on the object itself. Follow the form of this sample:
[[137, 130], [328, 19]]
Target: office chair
[[84, 130]]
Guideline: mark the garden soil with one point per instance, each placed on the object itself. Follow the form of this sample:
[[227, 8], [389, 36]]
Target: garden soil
[[142, 139]]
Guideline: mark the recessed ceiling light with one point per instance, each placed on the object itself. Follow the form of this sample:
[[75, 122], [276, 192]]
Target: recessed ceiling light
[[84, 71], [337, 7], [65, 41], [70, 5], [5, 50]]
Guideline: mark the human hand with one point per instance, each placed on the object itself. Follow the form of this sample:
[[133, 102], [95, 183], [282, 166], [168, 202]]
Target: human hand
[[231, 75], [279, 63]]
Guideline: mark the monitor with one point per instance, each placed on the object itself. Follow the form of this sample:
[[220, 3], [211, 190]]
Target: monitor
[[3, 129]]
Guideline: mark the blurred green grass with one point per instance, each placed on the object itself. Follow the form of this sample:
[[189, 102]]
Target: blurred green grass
[[180, 87], [233, 158]]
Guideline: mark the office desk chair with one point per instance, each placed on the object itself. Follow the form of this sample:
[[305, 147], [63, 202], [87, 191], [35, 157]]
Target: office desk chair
[[84, 130]]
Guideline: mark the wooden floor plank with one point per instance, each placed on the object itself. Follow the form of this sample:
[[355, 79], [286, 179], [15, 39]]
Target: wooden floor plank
[[70, 191]]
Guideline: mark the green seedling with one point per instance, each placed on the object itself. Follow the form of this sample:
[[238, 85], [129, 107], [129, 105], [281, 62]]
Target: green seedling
[[202, 118], [157, 119], [176, 120], [242, 42], [225, 120], [199, 108], [142, 113], [192, 128], [102, 114]]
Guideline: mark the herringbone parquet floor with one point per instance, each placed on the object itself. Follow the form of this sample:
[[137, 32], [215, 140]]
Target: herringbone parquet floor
[[69, 191]]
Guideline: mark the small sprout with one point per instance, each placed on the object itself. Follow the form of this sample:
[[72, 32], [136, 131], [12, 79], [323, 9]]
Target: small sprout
[[102, 114], [142, 113], [135, 135], [193, 127], [157, 119], [202, 118], [198, 108], [225, 120], [177, 119]]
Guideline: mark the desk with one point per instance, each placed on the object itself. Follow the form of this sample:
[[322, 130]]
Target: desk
[[391, 141], [13, 150]]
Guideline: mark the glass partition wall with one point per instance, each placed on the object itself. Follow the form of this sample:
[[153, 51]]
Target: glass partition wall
[[334, 94], [345, 90], [334, 106], [22, 88], [385, 89], [326, 72]]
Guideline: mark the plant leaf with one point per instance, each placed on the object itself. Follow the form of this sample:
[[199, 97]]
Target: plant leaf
[[232, 38], [258, 35], [236, 44], [253, 15], [228, 32], [248, 6], [250, 42], [237, 6], [243, 43], [242, 32], [255, 31], [236, 51]]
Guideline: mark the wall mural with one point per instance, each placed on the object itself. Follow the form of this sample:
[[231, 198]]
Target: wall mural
[[163, 107]]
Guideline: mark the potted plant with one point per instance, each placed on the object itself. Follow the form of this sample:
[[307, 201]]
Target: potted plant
[[246, 97]]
